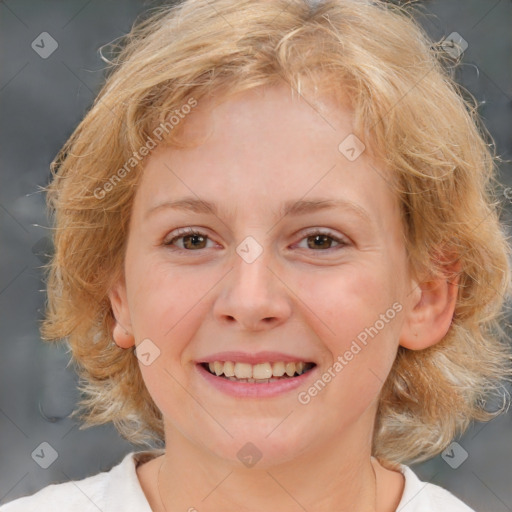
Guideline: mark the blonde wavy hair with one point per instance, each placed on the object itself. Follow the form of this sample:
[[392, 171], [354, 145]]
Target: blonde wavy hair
[[411, 115]]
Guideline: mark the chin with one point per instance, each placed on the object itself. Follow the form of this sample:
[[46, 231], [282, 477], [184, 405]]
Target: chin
[[260, 450]]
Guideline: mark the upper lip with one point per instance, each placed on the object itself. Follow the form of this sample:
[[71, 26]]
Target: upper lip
[[254, 358]]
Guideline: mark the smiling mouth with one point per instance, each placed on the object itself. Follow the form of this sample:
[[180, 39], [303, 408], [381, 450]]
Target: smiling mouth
[[257, 373]]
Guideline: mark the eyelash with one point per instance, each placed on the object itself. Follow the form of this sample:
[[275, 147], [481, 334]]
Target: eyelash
[[180, 233]]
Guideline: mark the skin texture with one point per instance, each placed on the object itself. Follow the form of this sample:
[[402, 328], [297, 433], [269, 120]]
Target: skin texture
[[264, 147]]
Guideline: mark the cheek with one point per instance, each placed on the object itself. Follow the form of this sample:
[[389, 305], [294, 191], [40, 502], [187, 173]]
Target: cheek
[[354, 313], [343, 303], [167, 304]]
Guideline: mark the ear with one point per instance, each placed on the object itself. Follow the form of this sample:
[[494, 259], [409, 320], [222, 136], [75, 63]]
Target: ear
[[122, 332], [430, 317]]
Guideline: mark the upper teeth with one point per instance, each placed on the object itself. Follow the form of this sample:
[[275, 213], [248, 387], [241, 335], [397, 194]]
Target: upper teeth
[[256, 371]]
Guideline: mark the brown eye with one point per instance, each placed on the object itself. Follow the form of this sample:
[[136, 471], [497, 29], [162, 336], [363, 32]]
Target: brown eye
[[318, 240], [191, 240], [194, 241]]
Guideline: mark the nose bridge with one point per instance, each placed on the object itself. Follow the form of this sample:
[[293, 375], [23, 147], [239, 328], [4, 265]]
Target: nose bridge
[[252, 275], [253, 296]]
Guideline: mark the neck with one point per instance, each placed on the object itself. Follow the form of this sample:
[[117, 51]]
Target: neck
[[322, 478]]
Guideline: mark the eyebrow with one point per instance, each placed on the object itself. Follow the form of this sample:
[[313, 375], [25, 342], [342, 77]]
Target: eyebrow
[[299, 207]]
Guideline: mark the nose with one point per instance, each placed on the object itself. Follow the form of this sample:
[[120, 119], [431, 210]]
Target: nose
[[254, 296]]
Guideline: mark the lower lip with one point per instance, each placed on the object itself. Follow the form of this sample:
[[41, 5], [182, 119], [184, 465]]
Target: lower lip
[[253, 390]]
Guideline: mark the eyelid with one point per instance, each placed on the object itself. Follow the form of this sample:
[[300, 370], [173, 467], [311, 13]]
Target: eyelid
[[328, 232], [340, 239], [181, 232]]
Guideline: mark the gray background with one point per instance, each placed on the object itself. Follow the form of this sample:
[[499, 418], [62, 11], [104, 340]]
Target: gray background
[[41, 101]]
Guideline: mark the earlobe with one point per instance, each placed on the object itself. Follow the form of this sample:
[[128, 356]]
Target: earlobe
[[430, 316], [121, 332], [122, 337]]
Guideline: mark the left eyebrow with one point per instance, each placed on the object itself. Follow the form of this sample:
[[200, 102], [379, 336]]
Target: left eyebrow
[[305, 207], [300, 207]]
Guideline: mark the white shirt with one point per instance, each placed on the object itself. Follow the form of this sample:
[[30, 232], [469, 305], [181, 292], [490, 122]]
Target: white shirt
[[119, 490]]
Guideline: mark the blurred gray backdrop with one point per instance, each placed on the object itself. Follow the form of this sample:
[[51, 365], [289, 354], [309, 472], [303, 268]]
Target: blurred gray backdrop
[[45, 89]]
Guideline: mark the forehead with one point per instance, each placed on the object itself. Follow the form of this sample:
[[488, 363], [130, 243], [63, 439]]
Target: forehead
[[265, 147]]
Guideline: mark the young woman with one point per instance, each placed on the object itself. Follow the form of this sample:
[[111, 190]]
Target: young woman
[[277, 258]]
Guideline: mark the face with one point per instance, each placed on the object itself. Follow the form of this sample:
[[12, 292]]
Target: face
[[323, 283]]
